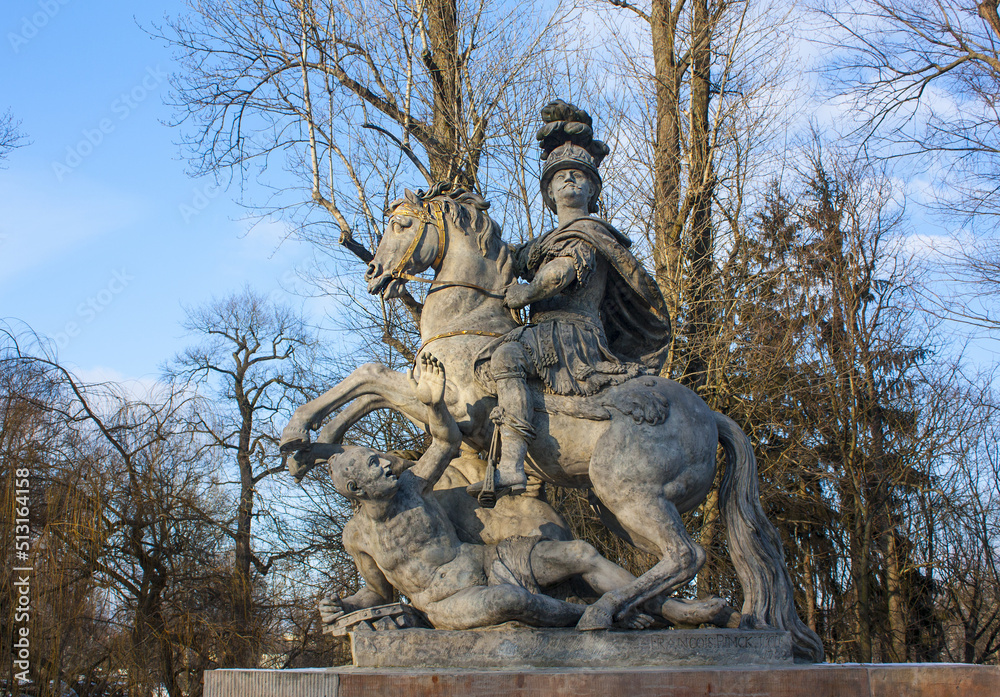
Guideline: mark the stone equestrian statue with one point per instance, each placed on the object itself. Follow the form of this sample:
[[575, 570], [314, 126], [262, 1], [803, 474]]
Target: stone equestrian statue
[[647, 447], [597, 318]]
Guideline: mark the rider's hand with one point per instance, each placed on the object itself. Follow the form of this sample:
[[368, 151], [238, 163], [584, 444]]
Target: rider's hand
[[516, 295], [331, 609]]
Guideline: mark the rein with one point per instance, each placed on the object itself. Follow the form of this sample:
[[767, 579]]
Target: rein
[[399, 274], [460, 332]]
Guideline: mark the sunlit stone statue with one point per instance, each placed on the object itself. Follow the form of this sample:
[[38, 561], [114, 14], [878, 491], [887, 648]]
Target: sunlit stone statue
[[574, 398], [597, 318]]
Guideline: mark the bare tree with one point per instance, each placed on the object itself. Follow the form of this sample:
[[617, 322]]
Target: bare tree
[[253, 361], [11, 136], [925, 76], [968, 561], [303, 79], [123, 532], [692, 119]]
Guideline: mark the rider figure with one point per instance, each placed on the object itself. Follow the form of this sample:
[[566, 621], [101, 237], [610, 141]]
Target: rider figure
[[597, 318]]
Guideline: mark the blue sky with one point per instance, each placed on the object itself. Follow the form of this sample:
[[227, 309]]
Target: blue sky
[[103, 236]]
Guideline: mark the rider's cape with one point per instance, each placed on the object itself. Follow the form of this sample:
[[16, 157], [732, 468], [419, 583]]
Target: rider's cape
[[635, 317]]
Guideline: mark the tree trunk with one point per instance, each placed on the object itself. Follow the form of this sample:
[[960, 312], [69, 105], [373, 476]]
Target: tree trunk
[[897, 616], [667, 223], [698, 284], [447, 158], [859, 551], [244, 651], [810, 590], [147, 629]]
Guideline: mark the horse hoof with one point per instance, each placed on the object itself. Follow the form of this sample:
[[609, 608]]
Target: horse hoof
[[595, 617], [293, 439]]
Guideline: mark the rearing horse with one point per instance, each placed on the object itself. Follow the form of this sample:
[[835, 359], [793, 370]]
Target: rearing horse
[[647, 447]]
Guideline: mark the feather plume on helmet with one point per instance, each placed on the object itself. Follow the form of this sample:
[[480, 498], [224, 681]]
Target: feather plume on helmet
[[567, 142]]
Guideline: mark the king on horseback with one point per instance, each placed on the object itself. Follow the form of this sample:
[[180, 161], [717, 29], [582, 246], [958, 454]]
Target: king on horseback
[[596, 317], [645, 446]]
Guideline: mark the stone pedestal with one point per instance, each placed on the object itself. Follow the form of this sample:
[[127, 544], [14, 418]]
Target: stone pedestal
[[898, 680], [526, 662], [525, 647]]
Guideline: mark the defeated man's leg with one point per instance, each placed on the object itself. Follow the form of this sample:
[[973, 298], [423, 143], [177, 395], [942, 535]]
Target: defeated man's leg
[[553, 562], [708, 610], [484, 606]]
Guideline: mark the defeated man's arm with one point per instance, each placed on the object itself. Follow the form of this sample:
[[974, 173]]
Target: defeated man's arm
[[376, 591], [446, 439]]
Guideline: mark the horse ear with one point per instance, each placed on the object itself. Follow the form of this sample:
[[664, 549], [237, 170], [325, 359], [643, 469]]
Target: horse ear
[[411, 196]]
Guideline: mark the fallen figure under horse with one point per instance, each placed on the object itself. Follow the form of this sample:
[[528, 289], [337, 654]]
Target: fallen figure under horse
[[646, 447], [400, 538]]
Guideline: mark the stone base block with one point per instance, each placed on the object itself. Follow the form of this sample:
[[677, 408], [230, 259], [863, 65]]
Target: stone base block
[[524, 647], [897, 680]]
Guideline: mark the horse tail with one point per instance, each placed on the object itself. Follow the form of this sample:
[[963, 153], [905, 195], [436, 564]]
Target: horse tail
[[756, 550]]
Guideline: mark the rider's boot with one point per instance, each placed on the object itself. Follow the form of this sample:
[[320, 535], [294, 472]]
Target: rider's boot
[[510, 470], [509, 478], [516, 432]]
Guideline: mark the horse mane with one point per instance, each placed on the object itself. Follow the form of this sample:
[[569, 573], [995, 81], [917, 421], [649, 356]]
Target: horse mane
[[468, 210]]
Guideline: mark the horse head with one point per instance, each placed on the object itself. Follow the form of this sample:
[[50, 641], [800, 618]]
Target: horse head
[[405, 248], [417, 237]]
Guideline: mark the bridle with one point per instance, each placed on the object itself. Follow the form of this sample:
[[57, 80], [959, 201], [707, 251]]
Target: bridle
[[413, 211], [437, 221]]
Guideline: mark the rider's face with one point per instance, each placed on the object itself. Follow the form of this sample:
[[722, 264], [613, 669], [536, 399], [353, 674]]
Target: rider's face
[[572, 188]]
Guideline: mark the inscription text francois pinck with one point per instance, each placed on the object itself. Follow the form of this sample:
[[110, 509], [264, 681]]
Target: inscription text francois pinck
[[766, 646]]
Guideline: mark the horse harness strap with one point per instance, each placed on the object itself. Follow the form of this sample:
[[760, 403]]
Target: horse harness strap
[[445, 284], [438, 221], [421, 215], [460, 332]]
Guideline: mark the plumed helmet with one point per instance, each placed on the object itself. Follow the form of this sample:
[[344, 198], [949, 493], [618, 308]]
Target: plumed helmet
[[567, 142]]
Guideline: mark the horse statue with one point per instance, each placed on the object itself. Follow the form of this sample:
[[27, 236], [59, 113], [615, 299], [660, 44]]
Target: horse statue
[[646, 448]]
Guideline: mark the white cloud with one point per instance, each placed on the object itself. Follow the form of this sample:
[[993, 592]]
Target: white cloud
[[146, 388], [929, 246]]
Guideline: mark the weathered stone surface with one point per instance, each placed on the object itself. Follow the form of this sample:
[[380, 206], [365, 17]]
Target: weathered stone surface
[[389, 617], [949, 680], [543, 648], [599, 327], [287, 683]]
